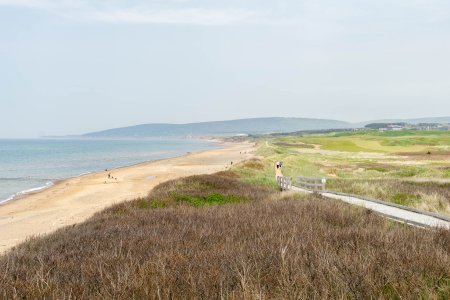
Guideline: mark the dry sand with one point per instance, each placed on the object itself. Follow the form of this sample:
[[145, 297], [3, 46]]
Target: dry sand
[[74, 200]]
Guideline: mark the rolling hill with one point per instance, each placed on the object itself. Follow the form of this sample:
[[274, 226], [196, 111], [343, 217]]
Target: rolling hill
[[232, 127], [242, 126]]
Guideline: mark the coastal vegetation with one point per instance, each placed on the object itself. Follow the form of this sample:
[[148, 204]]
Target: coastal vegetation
[[405, 167], [233, 235], [214, 236]]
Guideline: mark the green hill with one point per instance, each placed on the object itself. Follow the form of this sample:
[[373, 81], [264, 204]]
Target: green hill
[[232, 127]]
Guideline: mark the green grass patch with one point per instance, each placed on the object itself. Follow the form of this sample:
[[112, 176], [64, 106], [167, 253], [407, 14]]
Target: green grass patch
[[397, 133], [204, 190], [157, 204], [446, 173], [409, 172], [211, 199], [332, 143], [404, 199], [374, 141], [144, 203]]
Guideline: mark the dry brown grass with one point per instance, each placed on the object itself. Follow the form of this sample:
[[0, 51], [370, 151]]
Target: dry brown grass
[[253, 163], [290, 246], [227, 173], [430, 196]]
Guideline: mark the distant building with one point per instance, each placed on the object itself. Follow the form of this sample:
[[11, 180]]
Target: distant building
[[395, 127], [386, 126], [404, 126], [391, 127]]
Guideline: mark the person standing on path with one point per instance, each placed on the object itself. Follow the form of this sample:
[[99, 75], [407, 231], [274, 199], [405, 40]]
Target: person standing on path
[[278, 172]]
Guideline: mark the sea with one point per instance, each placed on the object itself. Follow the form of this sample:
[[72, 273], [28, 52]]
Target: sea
[[31, 165]]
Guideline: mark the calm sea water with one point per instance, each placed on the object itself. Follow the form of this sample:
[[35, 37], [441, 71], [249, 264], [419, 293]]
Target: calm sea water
[[29, 165]]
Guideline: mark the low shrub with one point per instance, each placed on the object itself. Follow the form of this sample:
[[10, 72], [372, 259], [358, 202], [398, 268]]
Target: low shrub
[[270, 246]]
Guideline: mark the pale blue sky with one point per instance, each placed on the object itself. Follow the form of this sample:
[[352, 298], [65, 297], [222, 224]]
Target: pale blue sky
[[69, 67]]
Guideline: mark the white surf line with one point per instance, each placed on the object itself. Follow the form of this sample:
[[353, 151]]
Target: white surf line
[[395, 213]]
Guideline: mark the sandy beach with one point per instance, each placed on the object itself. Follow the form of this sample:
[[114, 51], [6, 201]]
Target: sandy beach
[[74, 200]]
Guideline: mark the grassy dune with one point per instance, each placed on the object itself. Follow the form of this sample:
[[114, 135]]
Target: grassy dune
[[374, 141], [406, 167], [210, 237]]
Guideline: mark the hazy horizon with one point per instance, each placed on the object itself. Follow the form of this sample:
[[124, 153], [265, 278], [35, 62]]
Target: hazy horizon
[[71, 67]]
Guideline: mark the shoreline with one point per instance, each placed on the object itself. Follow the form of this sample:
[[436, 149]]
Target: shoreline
[[73, 200], [24, 193]]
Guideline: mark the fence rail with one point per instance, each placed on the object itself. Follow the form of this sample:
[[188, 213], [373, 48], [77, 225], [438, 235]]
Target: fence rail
[[285, 183], [311, 183], [318, 185]]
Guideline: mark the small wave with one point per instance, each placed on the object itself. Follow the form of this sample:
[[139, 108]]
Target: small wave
[[23, 179], [85, 173], [29, 191]]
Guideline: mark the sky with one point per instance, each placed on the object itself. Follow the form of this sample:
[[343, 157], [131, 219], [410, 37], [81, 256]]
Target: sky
[[71, 67]]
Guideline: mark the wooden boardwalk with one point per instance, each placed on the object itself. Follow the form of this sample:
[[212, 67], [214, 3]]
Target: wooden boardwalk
[[389, 210]]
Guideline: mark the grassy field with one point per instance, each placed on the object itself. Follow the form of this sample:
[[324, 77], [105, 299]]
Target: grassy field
[[405, 167], [213, 236], [375, 141]]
